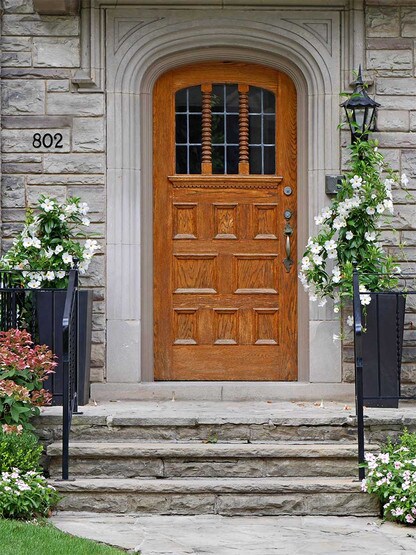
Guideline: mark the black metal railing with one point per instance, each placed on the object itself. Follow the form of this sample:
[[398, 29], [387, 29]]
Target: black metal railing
[[378, 377], [70, 365], [25, 308]]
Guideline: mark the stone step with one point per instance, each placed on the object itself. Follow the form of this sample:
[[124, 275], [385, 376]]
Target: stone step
[[225, 496], [170, 460]]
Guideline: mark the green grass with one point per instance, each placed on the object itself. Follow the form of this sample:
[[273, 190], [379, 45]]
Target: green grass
[[26, 538]]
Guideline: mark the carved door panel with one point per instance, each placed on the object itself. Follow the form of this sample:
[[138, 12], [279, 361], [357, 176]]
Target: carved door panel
[[225, 286]]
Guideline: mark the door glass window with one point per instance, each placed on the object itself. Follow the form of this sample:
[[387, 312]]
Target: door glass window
[[225, 129]]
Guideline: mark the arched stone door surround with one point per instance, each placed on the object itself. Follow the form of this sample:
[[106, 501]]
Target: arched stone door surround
[[142, 45]]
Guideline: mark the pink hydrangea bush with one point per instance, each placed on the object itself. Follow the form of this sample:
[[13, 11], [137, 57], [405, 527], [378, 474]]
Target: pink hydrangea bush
[[23, 369], [391, 475]]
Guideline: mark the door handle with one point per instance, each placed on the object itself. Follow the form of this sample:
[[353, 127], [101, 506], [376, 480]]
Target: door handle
[[288, 262]]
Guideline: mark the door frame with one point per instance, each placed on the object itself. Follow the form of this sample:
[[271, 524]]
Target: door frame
[[133, 63]]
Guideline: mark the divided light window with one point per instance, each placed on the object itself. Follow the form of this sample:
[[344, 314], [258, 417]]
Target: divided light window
[[225, 129]]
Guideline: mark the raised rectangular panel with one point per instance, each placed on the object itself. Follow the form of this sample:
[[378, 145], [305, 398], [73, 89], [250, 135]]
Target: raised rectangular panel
[[185, 220], [255, 273], [265, 221], [195, 273], [266, 331], [226, 326], [225, 221], [185, 326]]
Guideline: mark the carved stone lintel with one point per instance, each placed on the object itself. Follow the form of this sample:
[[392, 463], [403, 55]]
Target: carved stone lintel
[[57, 7]]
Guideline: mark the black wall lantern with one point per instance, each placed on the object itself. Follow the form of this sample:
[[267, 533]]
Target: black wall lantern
[[360, 110]]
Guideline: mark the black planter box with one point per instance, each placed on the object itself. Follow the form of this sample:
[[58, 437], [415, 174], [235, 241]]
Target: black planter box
[[49, 312], [382, 345]]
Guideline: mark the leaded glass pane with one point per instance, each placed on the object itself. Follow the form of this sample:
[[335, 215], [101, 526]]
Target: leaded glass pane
[[225, 107], [262, 131], [188, 131]]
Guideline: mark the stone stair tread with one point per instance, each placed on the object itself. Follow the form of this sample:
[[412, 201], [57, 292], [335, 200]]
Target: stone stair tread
[[210, 485], [204, 450]]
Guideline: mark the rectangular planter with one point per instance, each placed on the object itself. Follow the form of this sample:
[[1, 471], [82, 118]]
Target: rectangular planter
[[49, 314], [382, 345]]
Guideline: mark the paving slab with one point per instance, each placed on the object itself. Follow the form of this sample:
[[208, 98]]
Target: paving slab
[[218, 535]]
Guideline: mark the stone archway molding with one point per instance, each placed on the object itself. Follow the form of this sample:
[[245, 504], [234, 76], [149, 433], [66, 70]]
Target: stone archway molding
[[141, 45]]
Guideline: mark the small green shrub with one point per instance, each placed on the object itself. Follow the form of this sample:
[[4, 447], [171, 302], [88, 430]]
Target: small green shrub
[[20, 451], [391, 475], [25, 495]]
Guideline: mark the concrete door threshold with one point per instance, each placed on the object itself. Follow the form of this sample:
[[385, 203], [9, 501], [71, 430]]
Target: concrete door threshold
[[223, 391]]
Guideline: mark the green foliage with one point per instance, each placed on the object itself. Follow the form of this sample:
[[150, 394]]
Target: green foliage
[[349, 232], [25, 495], [41, 538], [49, 243], [20, 451], [391, 475]]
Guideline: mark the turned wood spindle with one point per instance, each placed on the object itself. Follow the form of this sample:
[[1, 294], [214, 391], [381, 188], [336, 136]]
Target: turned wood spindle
[[206, 166], [244, 165]]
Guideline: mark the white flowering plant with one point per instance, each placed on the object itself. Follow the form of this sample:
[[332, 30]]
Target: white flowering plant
[[49, 244], [391, 475], [25, 495], [349, 232]]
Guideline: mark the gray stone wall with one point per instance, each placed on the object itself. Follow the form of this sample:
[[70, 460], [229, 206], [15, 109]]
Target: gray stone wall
[[39, 55], [391, 64]]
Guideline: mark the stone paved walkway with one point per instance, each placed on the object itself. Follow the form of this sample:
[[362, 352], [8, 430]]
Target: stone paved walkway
[[217, 535]]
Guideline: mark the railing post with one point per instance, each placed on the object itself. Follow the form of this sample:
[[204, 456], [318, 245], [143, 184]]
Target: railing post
[[358, 358]]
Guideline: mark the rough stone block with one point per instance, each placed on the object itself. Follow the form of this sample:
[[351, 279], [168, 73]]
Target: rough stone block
[[16, 59], [35, 73], [45, 25], [74, 163], [408, 22], [392, 60], [56, 52], [75, 104], [97, 355], [70, 180], [404, 217], [22, 168], [97, 375], [12, 192], [392, 157], [396, 86], [33, 194], [382, 21], [59, 85], [15, 44], [17, 6], [21, 140], [93, 196], [35, 122], [393, 120], [88, 135], [19, 158], [22, 97], [95, 277], [409, 162]]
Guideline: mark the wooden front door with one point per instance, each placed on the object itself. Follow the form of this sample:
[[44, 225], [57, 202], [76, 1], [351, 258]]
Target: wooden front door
[[225, 271]]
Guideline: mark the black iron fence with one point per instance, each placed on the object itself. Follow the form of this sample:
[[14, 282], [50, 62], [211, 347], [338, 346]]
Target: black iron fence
[[379, 347], [35, 311]]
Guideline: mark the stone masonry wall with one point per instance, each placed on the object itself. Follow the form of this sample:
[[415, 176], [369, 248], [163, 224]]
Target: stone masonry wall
[[391, 64], [39, 54]]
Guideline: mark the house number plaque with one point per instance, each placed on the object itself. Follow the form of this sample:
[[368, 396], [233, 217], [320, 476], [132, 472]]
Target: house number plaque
[[47, 140]]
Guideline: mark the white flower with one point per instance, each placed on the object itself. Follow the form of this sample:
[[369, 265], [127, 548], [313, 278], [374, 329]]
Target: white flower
[[349, 235], [83, 208], [58, 249], [62, 217], [319, 220], [322, 302], [364, 485], [326, 212], [34, 284], [336, 309], [332, 254], [304, 281], [389, 205], [27, 242], [350, 320], [317, 258], [313, 297], [370, 210], [50, 276], [85, 221], [47, 205], [356, 182], [370, 236], [91, 244], [336, 274], [36, 243], [330, 245], [83, 266], [380, 208], [71, 209], [397, 270], [315, 248], [60, 274], [404, 180], [339, 222], [67, 258], [306, 263], [384, 458], [365, 299], [49, 253]]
